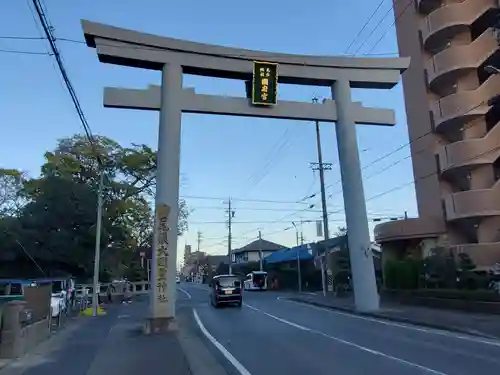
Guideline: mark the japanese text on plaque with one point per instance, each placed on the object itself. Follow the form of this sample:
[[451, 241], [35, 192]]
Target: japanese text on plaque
[[264, 86], [162, 253]]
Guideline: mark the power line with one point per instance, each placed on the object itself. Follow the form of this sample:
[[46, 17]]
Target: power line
[[402, 147], [264, 209], [364, 26], [242, 200], [374, 30], [22, 37], [146, 48], [48, 30], [379, 23], [399, 187], [276, 153], [251, 209], [396, 19], [276, 221], [25, 52]]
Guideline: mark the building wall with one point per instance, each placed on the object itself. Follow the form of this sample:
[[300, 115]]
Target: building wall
[[454, 133]]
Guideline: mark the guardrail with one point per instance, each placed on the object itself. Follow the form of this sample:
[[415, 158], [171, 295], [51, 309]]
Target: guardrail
[[134, 288]]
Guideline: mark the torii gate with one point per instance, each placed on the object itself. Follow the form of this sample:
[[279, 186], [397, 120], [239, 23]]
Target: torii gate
[[174, 57]]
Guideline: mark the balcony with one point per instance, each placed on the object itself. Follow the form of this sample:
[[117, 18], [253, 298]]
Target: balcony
[[443, 67], [450, 19], [459, 108], [427, 6], [471, 152], [484, 255], [408, 229], [473, 203]]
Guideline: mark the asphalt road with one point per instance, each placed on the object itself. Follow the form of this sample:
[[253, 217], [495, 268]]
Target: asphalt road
[[270, 335]]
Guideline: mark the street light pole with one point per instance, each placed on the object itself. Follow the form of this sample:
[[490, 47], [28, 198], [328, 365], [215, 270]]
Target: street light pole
[[97, 251]]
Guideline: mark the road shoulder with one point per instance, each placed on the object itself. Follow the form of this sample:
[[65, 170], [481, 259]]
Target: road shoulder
[[200, 359]]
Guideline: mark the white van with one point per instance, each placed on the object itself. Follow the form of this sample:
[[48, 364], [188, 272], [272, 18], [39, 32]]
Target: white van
[[256, 280]]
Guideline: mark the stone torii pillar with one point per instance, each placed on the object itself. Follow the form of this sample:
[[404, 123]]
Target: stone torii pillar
[[365, 290], [163, 293]]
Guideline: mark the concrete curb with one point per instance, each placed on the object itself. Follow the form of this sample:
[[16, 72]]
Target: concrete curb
[[397, 319]]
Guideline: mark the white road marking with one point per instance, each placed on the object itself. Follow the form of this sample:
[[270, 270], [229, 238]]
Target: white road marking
[[350, 343], [278, 319], [237, 365], [185, 292], [399, 325], [376, 352]]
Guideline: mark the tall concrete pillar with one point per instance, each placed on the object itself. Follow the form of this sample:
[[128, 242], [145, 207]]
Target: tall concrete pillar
[[363, 273], [163, 263]]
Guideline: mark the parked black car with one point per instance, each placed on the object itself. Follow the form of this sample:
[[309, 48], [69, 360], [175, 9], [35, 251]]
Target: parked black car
[[225, 289]]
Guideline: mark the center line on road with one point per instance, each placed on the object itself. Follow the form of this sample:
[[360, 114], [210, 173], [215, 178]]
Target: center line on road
[[376, 352], [188, 295], [399, 325], [278, 318], [237, 365], [350, 343]]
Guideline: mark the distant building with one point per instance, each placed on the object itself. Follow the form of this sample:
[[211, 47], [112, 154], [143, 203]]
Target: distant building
[[251, 252], [187, 253]]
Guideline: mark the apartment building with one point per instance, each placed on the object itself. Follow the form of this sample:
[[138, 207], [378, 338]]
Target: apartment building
[[454, 132]]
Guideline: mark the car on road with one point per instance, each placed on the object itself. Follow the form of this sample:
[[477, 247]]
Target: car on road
[[177, 280], [226, 289]]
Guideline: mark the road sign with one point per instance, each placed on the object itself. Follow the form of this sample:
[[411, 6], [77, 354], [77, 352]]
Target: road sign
[[265, 83]]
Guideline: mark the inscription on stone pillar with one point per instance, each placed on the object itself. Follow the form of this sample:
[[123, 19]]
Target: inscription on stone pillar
[[162, 229]]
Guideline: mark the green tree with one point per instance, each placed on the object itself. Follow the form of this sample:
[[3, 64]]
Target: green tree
[[439, 269], [11, 183], [57, 223], [465, 263]]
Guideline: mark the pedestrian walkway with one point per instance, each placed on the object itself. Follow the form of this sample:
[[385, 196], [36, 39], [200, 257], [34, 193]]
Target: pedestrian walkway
[[112, 344], [470, 323]]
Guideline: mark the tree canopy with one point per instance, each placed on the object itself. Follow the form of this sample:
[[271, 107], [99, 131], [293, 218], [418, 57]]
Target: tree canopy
[[50, 221]]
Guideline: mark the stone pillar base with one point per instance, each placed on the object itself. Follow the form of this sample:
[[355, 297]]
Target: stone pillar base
[[159, 325]]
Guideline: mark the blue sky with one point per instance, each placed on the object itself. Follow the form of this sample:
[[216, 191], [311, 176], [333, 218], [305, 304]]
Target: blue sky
[[248, 159]]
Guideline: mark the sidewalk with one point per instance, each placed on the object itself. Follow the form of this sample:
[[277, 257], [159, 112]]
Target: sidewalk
[[112, 344], [468, 323]]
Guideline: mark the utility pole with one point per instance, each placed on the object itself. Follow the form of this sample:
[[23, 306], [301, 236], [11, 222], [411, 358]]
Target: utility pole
[[322, 167], [97, 250], [199, 240], [260, 250], [229, 236], [297, 255], [296, 233]]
